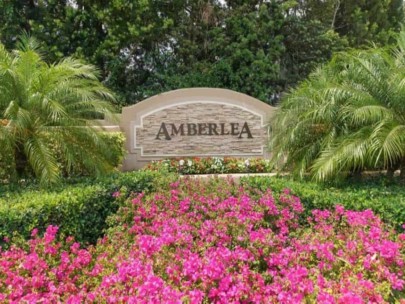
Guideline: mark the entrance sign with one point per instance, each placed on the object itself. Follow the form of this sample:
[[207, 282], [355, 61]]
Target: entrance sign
[[195, 122]]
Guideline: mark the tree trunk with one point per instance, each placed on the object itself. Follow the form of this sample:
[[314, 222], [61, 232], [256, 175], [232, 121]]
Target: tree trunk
[[21, 161], [334, 15]]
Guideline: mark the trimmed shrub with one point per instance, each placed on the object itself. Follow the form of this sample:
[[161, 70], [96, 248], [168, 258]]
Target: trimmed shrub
[[80, 210], [387, 201]]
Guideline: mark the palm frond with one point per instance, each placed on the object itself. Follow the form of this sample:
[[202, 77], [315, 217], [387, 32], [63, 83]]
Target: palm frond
[[349, 115], [41, 160], [40, 101]]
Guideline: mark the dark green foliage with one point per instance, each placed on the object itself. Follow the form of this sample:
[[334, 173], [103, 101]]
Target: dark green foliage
[[386, 200], [143, 48], [238, 48], [251, 46], [64, 29], [308, 44], [79, 209], [368, 21], [361, 22]]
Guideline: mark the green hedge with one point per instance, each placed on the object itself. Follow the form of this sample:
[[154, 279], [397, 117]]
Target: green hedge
[[79, 210], [386, 200]]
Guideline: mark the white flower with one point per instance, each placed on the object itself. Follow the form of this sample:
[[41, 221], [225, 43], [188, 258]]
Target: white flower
[[247, 163], [181, 162], [217, 160], [189, 162]]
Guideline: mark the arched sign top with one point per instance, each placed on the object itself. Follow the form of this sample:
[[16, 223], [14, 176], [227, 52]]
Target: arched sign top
[[195, 122], [195, 94]]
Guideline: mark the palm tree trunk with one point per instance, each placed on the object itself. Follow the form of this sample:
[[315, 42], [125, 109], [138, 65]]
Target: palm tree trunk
[[21, 161]]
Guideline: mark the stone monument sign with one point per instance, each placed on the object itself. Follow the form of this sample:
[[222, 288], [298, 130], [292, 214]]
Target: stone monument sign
[[195, 122]]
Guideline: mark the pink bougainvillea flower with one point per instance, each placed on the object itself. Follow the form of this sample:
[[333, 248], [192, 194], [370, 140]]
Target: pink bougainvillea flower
[[213, 242]]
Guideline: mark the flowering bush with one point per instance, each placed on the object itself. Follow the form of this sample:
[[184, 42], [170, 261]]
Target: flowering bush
[[213, 242], [386, 200], [211, 165]]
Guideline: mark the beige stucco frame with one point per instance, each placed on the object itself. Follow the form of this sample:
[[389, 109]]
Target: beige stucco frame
[[132, 116]]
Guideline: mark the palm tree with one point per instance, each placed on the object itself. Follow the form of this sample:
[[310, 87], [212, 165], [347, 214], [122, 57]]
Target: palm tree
[[348, 116], [46, 108]]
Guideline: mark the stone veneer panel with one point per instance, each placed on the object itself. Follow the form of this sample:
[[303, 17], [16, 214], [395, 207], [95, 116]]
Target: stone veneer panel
[[152, 138]]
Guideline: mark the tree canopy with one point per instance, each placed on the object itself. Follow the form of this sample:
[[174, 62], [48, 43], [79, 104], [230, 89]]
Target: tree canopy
[[145, 47]]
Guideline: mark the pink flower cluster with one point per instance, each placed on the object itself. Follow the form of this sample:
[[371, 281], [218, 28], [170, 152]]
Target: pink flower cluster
[[211, 241]]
